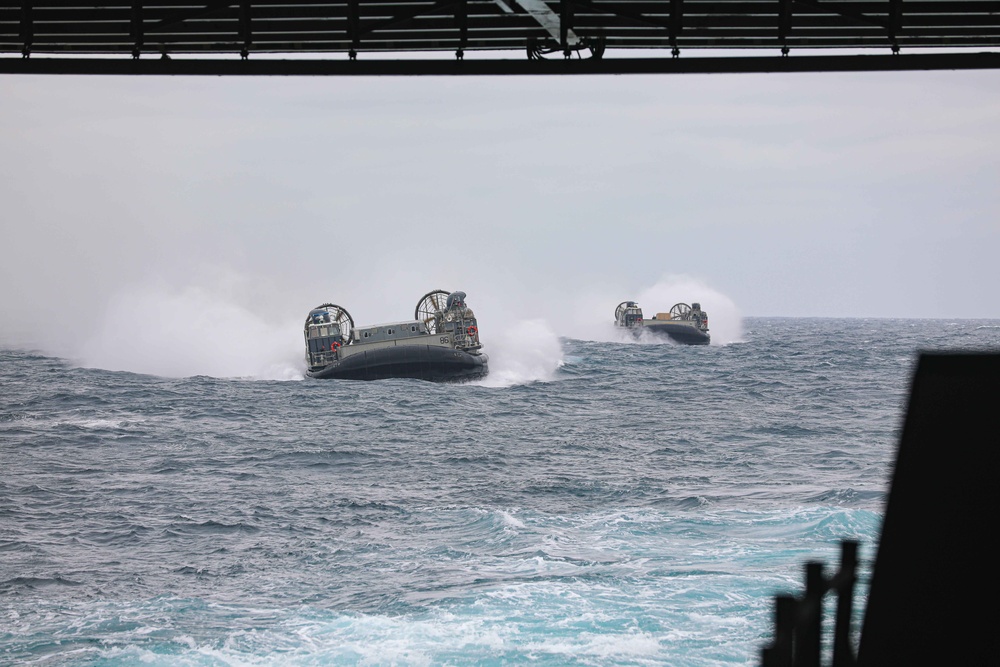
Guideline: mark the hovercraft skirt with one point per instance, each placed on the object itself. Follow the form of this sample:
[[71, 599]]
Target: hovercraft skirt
[[681, 333], [422, 362]]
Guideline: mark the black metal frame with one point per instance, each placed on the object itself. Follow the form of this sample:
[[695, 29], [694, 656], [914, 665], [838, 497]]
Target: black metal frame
[[313, 37], [798, 621], [467, 67]]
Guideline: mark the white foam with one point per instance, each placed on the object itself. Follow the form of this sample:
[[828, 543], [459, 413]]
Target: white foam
[[528, 351], [191, 331]]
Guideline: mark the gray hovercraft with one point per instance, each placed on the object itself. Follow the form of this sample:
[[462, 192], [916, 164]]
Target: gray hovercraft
[[440, 344], [683, 324]]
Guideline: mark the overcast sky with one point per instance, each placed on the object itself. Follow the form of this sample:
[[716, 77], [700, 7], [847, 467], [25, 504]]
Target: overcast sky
[[546, 199]]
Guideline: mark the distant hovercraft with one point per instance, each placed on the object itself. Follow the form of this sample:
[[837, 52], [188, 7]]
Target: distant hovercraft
[[440, 344], [683, 324]]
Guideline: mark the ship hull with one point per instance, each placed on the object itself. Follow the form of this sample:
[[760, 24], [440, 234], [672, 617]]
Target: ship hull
[[677, 331], [421, 362]]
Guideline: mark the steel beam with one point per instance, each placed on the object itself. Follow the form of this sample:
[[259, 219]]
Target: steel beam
[[178, 66]]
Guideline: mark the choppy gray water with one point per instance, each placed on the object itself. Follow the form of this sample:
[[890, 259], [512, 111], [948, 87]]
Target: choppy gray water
[[642, 506]]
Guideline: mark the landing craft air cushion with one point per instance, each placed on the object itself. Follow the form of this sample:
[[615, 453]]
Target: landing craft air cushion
[[683, 323], [440, 344]]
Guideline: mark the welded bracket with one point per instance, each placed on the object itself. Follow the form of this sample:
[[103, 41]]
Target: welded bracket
[[353, 28], [895, 24], [246, 31], [462, 21], [136, 31], [784, 24], [676, 24], [27, 30]]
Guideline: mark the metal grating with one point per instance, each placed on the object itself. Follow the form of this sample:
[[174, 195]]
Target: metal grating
[[530, 29]]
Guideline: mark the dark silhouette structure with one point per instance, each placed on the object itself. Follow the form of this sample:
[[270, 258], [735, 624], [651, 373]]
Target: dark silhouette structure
[[798, 638], [544, 36], [933, 586]]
